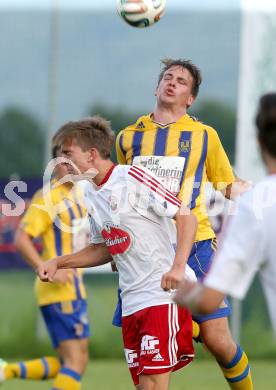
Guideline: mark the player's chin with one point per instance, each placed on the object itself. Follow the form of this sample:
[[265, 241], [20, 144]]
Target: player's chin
[[168, 98]]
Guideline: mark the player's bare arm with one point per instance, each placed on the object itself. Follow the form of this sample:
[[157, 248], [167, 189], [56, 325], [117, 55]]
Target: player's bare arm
[[24, 244], [91, 256], [186, 226], [197, 297]]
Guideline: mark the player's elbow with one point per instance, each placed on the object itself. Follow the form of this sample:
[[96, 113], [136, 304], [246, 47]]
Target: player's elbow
[[20, 239], [194, 221], [188, 216], [17, 241]]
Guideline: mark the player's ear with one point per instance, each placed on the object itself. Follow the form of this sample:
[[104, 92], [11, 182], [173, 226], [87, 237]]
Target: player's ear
[[190, 101], [93, 153]]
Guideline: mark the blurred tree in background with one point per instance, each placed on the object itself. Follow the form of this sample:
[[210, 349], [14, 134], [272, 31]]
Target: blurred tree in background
[[22, 144], [118, 117]]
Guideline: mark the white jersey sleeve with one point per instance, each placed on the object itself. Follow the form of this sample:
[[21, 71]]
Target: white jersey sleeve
[[96, 236], [163, 202], [241, 253]]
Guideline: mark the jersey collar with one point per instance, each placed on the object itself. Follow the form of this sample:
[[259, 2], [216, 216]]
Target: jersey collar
[[167, 124], [107, 176]]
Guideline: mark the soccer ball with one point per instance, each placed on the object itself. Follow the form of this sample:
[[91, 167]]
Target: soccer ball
[[141, 13]]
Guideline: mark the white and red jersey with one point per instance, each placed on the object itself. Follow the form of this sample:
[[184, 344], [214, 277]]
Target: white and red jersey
[[132, 213], [248, 246]]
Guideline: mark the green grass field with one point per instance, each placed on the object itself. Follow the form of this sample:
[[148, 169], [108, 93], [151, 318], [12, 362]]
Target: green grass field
[[113, 374]]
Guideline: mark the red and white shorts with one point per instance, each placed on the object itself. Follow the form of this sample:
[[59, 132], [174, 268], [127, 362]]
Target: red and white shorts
[[157, 339]]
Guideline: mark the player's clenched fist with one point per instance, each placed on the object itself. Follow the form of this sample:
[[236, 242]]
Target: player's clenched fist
[[47, 270], [171, 279]]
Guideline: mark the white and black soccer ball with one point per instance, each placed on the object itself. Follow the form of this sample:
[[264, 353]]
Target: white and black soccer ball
[[141, 13]]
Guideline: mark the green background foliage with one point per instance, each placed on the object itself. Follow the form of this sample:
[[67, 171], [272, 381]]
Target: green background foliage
[[22, 143]]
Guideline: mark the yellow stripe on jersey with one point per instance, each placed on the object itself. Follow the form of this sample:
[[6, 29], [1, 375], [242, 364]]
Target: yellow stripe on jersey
[[147, 146], [51, 216], [185, 155], [192, 166]]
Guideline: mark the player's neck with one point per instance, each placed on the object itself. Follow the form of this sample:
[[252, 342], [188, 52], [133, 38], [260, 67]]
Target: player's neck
[[164, 115], [270, 162], [103, 168], [271, 168]]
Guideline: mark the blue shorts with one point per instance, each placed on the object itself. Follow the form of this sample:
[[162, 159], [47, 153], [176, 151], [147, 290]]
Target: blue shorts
[[200, 260], [117, 316], [66, 320]]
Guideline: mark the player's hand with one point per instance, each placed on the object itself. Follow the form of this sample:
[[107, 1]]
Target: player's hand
[[47, 270], [233, 191], [170, 280], [63, 276]]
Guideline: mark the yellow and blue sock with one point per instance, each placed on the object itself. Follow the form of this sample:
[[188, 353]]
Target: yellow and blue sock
[[67, 379], [43, 368], [237, 372]]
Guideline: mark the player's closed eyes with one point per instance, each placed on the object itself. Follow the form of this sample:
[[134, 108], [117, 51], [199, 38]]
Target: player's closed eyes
[[182, 81]]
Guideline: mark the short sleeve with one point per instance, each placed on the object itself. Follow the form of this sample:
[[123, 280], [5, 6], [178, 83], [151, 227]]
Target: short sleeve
[[121, 158], [96, 236], [218, 167], [36, 219], [240, 255], [163, 202]]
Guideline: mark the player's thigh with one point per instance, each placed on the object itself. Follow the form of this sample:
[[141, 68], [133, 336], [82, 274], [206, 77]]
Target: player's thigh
[[66, 321], [201, 257], [200, 261], [154, 382]]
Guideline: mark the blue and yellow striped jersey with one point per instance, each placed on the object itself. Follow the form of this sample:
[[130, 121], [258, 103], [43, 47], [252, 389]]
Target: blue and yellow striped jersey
[[185, 155], [54, 216]]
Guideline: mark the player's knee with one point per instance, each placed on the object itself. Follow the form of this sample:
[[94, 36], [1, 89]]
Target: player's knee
[[221, 346], [77, 360], [85, 358]]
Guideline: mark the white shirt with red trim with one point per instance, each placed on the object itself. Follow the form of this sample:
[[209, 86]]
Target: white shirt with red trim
[[132, 213]]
